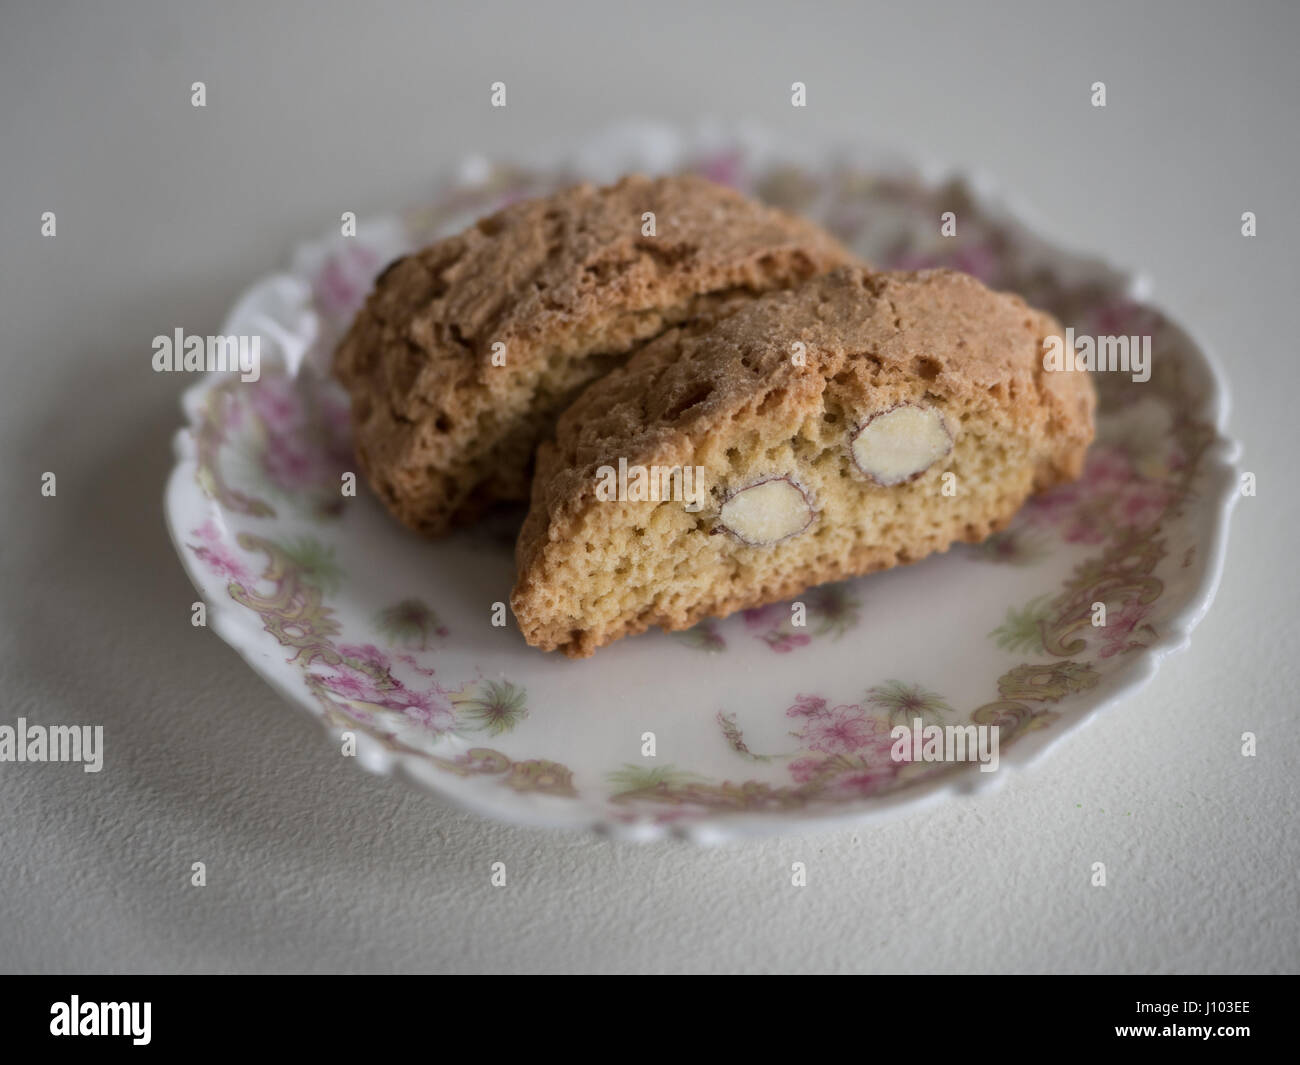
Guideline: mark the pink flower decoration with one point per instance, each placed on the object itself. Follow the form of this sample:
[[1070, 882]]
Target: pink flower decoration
[[806, 706], [784, 642], [1107, 467], [222, 563], [367, 653], [859, 781], [977, 260], [352, 685], [1122, 317], [1110, 493], [759, 616], [1142, 506], [345, 278], [725, 169], [214, 553], [427, 707], [843, 730], [276, 403], [1120, 628], [290, 465], [411, 660], [804, 769], [208, 533], [862, 782], [1053, 506], [424, 708]]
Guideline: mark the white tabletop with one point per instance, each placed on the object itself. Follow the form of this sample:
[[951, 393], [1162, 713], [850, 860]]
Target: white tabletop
[[165, 211]]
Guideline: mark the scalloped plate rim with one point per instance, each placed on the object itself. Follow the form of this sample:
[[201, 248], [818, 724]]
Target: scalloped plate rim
[[228, 621]]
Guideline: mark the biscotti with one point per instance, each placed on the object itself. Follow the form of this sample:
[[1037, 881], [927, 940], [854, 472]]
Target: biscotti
[[466, 352], [857, 422]]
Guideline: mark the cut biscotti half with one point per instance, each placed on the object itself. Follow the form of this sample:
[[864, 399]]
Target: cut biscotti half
[[858, 422], [466, 352]]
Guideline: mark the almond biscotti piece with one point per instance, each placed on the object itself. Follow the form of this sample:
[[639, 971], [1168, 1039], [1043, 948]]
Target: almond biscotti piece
[[466, 352], [819, 426]]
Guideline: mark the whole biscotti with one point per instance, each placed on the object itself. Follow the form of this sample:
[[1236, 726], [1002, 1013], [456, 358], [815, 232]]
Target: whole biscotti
[[857, 422]]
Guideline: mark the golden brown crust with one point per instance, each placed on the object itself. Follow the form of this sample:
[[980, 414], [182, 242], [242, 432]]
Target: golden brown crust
[[568, 284], [727, 396]]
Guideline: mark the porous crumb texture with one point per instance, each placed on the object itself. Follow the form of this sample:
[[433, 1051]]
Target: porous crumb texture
[[728, 397], [569, 285]]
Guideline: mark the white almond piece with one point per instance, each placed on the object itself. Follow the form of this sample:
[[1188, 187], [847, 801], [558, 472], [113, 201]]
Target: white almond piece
[[767, 512], [901, 443]]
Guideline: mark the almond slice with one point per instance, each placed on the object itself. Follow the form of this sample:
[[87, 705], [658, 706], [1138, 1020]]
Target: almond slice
[[901, 443], [767, 512]]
